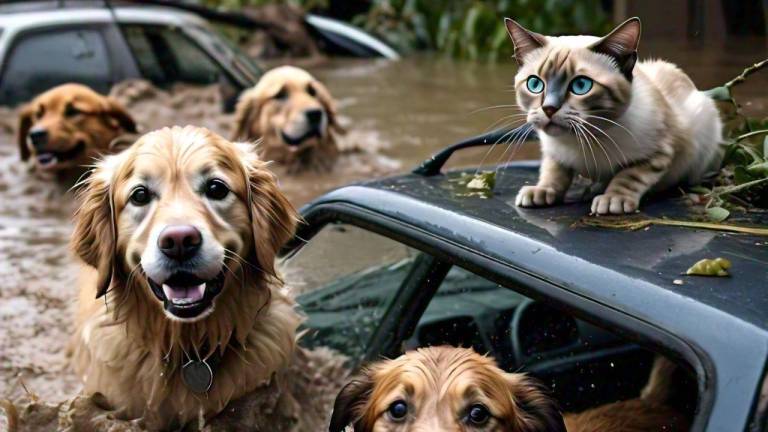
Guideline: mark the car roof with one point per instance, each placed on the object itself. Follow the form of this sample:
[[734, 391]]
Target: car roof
[[45, 13], [631, 270]]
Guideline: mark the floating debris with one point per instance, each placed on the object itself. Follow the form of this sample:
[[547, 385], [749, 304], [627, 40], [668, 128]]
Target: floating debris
[[637, 222], [710, 267], [479, 185], [678, 282]]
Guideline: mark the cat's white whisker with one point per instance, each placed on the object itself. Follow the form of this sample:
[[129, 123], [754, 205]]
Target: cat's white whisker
[[581, 145], [584, 131], [515, 143], [479, 110], [490, 150], [618, 147], [629, 132]]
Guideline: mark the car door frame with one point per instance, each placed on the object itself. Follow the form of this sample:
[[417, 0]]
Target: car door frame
[[645, 334]]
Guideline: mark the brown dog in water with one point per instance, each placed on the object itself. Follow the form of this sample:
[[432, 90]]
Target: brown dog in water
[[180, 233], [69, 126], [294, 115], [455, 389]]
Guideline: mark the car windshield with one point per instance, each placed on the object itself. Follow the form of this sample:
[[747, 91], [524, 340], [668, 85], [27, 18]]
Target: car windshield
[[223, 46]]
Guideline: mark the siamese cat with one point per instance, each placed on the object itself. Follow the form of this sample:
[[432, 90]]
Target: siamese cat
[[638, 126]]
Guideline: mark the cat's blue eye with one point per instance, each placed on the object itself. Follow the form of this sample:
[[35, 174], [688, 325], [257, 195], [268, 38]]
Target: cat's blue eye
[[535, 84], [581, 85]]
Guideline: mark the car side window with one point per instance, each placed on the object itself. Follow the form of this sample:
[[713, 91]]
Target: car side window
[[42, 60], [344, 279], [585, 366], [165, 56]]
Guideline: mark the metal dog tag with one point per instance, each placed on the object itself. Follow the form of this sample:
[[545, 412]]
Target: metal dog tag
[[197, 376]]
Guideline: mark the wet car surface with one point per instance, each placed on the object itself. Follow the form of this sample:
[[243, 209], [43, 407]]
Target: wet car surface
[[630, 281]]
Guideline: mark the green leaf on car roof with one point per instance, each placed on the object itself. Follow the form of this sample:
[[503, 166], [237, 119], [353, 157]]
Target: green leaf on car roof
[[717, 214], [710, 267], [721, 93]]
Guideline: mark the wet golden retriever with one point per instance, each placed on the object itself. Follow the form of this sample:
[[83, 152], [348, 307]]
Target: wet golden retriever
[[294, 116], [444, 389], [69, 126], [180, 233], [455, 389]]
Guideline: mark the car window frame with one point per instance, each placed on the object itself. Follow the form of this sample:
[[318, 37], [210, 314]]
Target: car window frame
[[189, 38], [631, 328], [102, 28]]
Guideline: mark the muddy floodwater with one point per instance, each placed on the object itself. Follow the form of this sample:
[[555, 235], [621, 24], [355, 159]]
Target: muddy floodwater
[[397, 114]]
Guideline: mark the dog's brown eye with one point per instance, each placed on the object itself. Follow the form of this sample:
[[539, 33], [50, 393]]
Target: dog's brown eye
[[478, 415], [216, 189], [398, 410], [282, 94], [140, 196], [71, 111], [40, 112], [311, 90]]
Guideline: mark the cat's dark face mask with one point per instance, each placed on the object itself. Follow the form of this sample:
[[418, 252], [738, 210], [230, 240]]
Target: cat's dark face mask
[[562, 82]]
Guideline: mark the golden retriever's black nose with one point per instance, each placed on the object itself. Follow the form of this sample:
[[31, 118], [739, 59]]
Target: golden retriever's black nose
[[39, 138], [179, 242], [314, 117]]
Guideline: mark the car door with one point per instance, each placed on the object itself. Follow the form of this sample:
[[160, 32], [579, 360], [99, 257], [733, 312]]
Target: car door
[[167, 55], [366, 302], [41, 59]]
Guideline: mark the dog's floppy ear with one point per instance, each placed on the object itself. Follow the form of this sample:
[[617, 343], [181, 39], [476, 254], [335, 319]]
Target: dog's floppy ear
[[247, 112], [325, 98], [539, 412], [349, 402], [119, 115], [25, 124], [94, 236], [273, 217]]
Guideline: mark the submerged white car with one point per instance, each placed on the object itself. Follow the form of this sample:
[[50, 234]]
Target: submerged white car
[[42, 45]]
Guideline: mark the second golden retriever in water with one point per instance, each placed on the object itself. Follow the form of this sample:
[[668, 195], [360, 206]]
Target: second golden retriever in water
[[180, 233], [455, 389], [68, 126], [294, 116]]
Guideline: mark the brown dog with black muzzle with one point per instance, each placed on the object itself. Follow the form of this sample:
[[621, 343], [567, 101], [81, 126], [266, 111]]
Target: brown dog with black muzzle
[[455, 389], [69, 126], [294, 116]]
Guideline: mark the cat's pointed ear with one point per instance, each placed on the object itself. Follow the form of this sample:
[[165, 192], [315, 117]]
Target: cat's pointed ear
[[621, 44], [524, 40]]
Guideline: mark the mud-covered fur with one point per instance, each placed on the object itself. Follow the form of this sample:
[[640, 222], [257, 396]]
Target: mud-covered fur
[[69, 126], [294, 116], [640, 126], [127, 346]]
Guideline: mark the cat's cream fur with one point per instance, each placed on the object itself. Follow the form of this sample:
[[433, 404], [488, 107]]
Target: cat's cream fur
[[642, 126]]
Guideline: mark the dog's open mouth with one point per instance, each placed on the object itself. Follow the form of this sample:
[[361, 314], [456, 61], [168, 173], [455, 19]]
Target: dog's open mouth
[[51, 159], [295, 143], [186, 296]]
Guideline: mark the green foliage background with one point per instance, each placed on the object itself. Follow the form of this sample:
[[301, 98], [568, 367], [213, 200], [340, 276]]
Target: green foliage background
[[468, 29]]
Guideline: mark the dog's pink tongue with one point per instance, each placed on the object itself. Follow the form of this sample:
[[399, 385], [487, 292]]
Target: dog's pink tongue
[[185, 293]]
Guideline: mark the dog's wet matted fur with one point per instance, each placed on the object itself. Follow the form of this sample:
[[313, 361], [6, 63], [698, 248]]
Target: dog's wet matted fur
[[294, 116], [180, 308], [68, 127], [455, 389]]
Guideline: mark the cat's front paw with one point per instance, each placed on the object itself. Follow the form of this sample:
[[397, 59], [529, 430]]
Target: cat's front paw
[[536, 196], [614, 204]]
